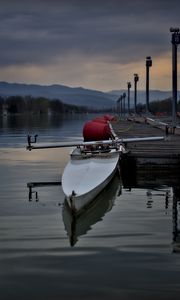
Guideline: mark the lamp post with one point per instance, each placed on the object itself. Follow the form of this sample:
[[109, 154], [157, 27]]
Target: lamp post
[[118, 106], [148, 65], [121, 98], [136, 79], [124, 106], [175, 42], [129, 86]]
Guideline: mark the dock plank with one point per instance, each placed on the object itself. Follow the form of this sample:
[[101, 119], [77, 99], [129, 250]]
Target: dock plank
[[166, 151]]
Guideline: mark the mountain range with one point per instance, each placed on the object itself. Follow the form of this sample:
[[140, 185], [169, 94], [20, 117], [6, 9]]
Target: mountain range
[[78, 95]]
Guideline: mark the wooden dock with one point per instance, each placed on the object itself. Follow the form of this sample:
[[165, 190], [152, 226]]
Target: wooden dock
[[150, 164], [166, 152]]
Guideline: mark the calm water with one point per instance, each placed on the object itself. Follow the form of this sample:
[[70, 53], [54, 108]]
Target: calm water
[[123, 246]]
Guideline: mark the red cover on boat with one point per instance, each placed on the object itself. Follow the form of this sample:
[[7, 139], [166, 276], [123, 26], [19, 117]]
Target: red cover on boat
[[96, 131]]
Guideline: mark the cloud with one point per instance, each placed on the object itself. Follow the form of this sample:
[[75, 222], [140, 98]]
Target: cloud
[[47, 34]]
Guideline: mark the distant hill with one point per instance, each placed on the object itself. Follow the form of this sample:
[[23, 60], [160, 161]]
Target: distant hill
[[77, 96]]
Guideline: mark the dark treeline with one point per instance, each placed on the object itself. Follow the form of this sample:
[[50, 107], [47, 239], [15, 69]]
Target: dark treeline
[[28, 104], [159, 107], [42, 105]]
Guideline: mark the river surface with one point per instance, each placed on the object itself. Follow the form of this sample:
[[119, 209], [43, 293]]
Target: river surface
[[125, 247]]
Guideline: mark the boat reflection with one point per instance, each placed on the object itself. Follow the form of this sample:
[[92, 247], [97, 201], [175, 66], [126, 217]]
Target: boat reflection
[[77, 224]]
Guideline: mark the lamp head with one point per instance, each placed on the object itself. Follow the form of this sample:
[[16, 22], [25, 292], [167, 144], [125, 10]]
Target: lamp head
[[174, 29]]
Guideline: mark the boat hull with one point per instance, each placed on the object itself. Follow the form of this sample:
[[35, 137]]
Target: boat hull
[[86, 176]]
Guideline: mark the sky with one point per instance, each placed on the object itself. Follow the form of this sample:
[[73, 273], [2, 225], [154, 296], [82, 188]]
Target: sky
[[95, 44]]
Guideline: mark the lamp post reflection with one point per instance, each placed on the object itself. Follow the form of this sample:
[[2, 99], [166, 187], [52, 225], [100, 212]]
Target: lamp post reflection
[[176, 228]]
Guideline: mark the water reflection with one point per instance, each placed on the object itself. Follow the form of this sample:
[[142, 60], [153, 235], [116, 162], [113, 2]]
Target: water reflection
[[176, 225], [158, 184], [43, 121], [32, 185], [50, 128], [159, 181], [158, 192], [149, 176], [78, 224]]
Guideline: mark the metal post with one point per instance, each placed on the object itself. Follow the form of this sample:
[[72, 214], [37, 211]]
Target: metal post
[[121, 98], [129, 86], [118, 107], [174, 82], [124, 107], [175, 42], [148, 65], [136, 78]]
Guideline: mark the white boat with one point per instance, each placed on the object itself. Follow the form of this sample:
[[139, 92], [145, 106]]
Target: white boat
[[91, 167], [87, 173]]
